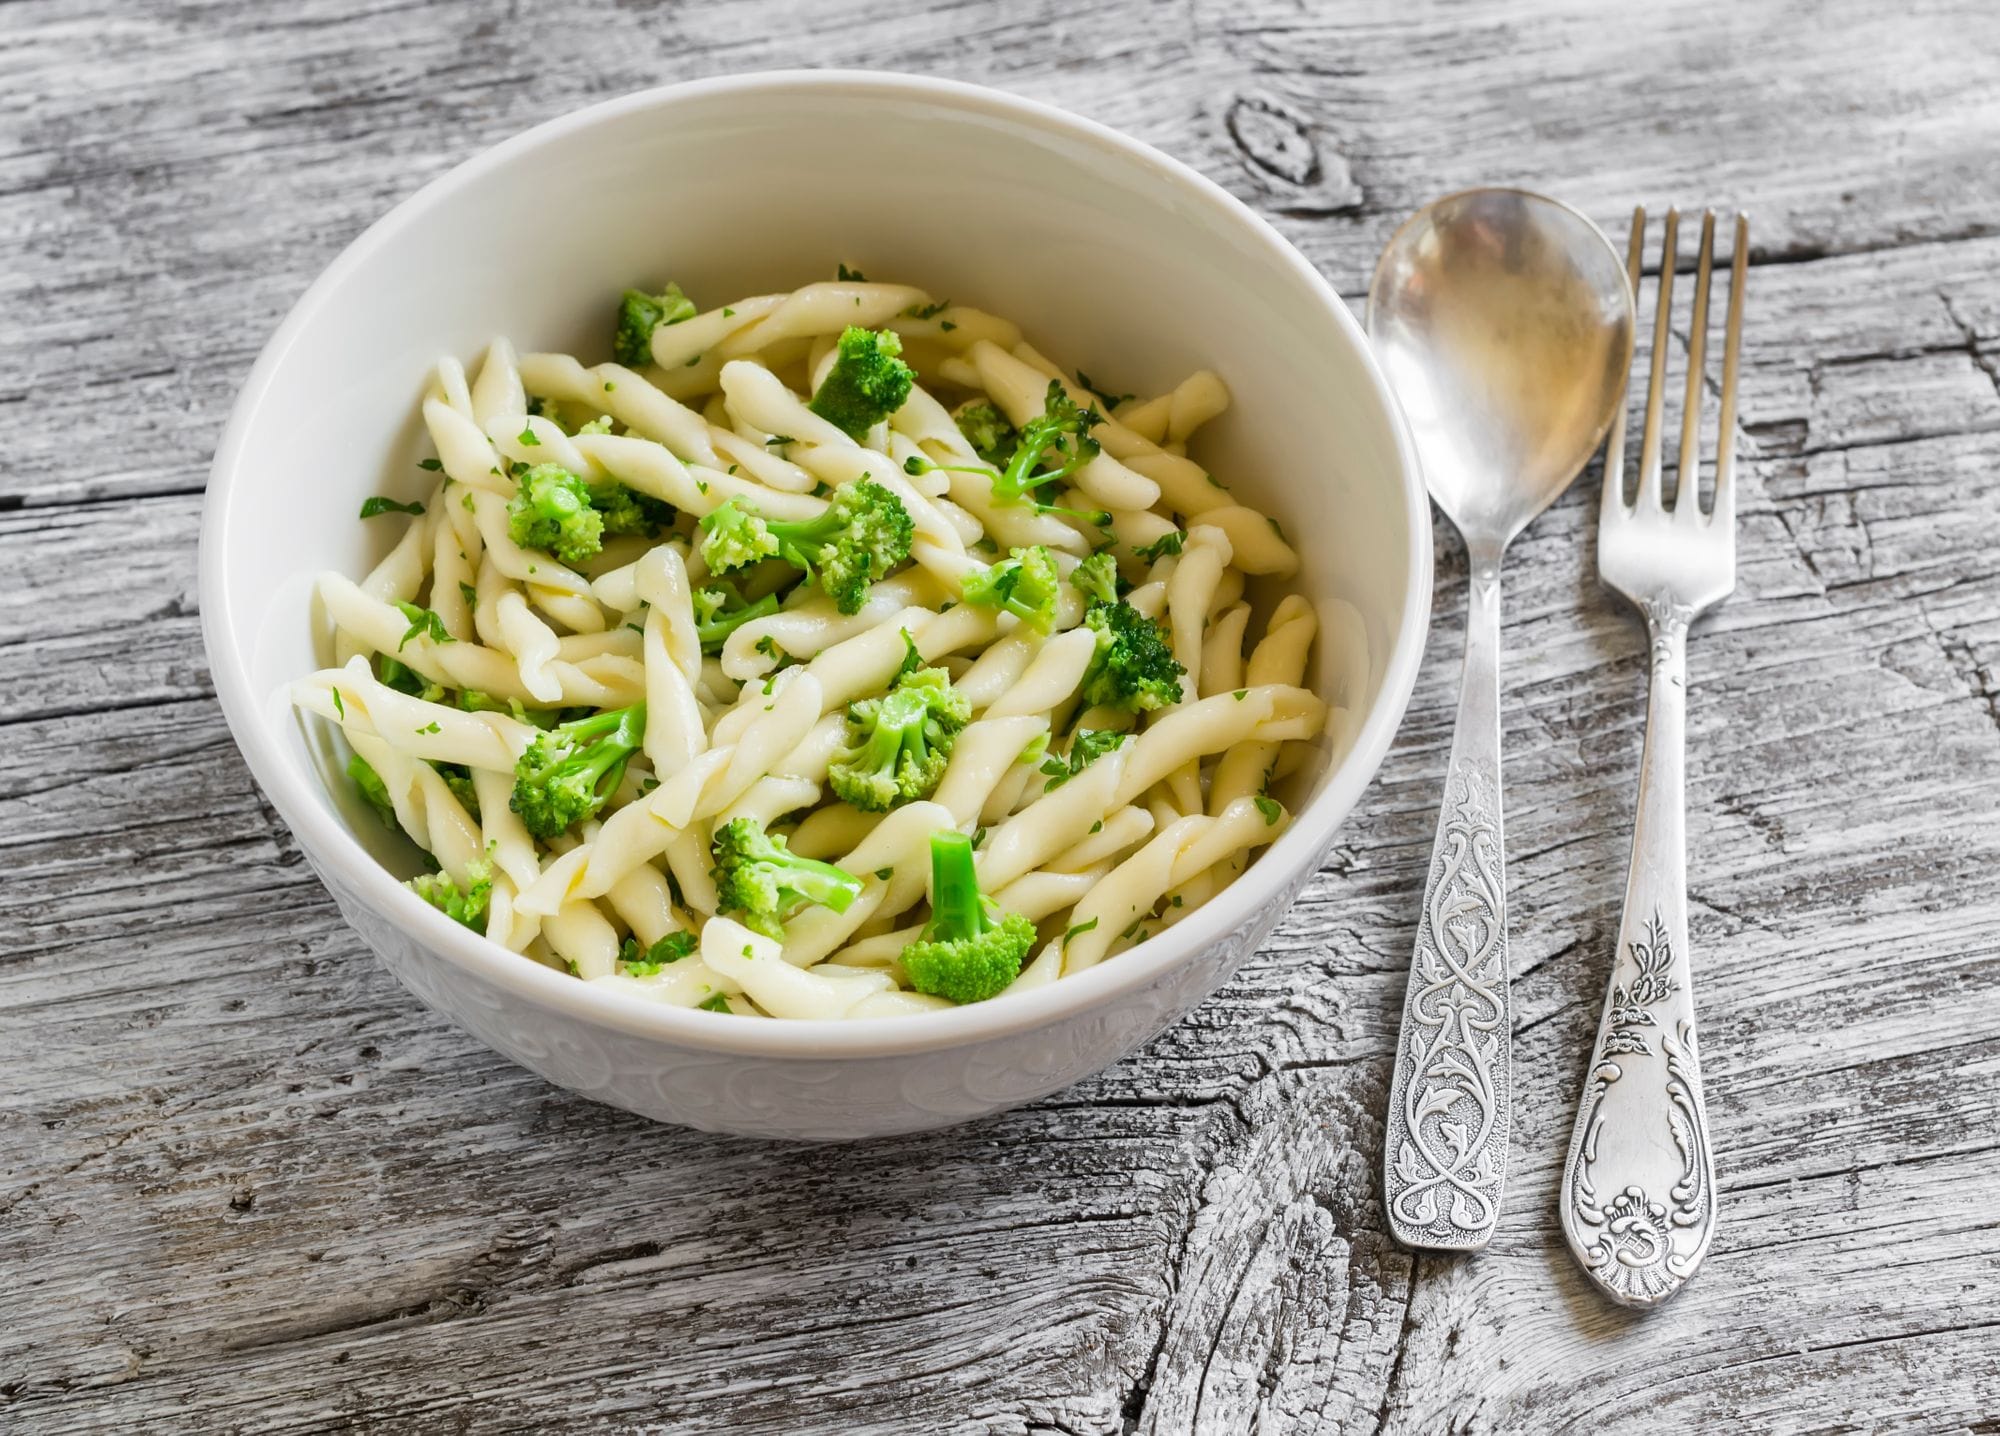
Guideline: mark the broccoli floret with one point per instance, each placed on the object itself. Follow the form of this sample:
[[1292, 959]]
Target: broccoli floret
[[719, 610], [1085, 748], [634, 961], [568, 773], [1133, 668], [551, 510], [863, 534], [756, 874], [1024, 584], [964, 955], [733, 538], [1060, 429], [987, 430], [900, 742], [369, 784], [466, 904], [866, 384], [458, 778], [1097, 577], [627, 511], [639, 314]]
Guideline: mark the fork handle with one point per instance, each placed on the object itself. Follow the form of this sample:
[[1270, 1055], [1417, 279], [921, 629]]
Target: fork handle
[[1444, 1152], [1638, 1191]]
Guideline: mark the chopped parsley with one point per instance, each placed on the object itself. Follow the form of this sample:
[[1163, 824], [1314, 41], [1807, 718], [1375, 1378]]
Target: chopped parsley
[[1086, 748], [424, 623], [380, 505], [1108, 400]]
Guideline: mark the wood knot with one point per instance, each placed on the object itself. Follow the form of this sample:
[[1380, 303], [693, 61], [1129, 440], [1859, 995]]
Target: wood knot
[[1284, 151]]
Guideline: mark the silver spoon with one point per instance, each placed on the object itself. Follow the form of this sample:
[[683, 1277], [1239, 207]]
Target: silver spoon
[[1504, 321]]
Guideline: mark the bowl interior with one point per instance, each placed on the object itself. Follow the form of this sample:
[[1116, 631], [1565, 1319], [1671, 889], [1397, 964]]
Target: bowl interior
[[1110, 258]]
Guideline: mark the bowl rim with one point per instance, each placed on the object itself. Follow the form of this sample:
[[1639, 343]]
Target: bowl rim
[[332, 847]]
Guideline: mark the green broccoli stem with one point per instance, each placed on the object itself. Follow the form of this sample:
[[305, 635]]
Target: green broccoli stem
[[957, 910], [601, 758], [799, 539], [714, 632]]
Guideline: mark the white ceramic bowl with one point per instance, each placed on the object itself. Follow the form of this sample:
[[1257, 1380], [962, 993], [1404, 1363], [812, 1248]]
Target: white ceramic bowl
[[1109, 254]]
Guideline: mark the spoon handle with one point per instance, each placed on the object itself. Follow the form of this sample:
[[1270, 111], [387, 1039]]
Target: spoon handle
[[1445, 1146]]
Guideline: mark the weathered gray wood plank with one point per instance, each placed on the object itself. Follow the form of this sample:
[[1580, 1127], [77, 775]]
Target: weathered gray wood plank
[[246, 1184]]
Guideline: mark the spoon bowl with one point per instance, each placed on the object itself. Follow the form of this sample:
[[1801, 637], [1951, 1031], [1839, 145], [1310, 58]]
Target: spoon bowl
[[1504, 322]]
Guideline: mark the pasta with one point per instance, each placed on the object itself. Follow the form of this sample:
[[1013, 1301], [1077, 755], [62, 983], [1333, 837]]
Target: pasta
[[830, 654]]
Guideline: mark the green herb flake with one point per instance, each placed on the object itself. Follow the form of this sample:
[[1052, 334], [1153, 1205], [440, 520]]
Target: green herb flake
[[978, 837], [338, 706], [728, 313], [1109, 401], [431, 465], [423, 623], [1270, 809], [527, 437], [884, 874], [379, 505], [1098, 826], [715, 1002], [468, 593], [1240, 694], [850, 276], [1078, 931], [430, 727]]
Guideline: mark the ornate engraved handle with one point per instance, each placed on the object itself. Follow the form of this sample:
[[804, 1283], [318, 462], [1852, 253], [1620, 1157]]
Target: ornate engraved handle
[[1445, 1144], [1638, 1191]]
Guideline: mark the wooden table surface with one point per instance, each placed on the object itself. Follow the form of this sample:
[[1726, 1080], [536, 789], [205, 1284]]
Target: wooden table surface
[[246, 1183]]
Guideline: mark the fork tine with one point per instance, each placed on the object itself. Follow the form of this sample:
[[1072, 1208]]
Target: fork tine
[[1649, 448], [1687, 486], [1613, 501], [1723, 509]]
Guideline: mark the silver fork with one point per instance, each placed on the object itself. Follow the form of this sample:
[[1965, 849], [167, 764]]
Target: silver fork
[[1638, 1191]]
